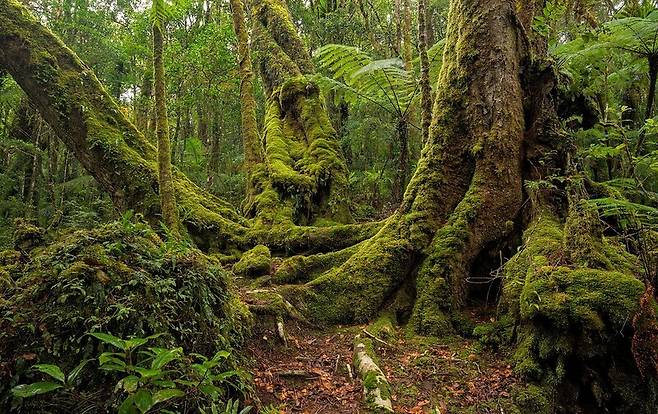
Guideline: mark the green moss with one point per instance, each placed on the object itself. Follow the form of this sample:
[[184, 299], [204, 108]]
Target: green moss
[[496, 334], [122, 279], [441, 275], [532, 400], [384, 326], [584, 242], [304, 176], [571, 305], [254, 263], [542, 241], [305, 268], [590, 299], [26, 235], [375, 271]]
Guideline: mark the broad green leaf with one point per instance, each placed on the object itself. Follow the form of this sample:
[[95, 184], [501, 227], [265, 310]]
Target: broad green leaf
[[164, 395], [187, 383], [163, 357], [221, 355], [148, 373], [127, 406], [210, 390], [52, 370], [113, 357], [225, 375], [143, 400], [113, 367], [30, 390], [135, 343], [164, 383], [128, 384], [110, 339]]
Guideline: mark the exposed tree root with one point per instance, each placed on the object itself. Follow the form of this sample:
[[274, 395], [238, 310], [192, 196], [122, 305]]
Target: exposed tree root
[[272, 303]]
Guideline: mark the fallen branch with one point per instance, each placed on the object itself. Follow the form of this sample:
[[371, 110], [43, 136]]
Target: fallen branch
[[376, 388]]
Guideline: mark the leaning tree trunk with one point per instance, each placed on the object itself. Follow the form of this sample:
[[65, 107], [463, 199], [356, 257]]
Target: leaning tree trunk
[[72, 101], [303, 176], [466, 192]]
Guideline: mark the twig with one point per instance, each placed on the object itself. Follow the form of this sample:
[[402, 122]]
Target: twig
[[349, 371], [298, 373], [377, 339]]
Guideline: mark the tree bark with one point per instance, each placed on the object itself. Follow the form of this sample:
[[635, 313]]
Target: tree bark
[[303, 176], [407, 52], [425, 86], [651, 96], [165, 178], [250, 136], [466, 191], [402, 135]]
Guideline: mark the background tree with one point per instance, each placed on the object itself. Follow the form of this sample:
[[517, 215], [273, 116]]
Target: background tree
[[165, 180]]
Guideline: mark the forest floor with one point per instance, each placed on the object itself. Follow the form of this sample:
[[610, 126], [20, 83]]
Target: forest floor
[[427, 375]]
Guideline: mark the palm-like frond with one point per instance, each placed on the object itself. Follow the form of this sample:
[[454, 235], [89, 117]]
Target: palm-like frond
[[355, 74], [626, 212], [636, 34]]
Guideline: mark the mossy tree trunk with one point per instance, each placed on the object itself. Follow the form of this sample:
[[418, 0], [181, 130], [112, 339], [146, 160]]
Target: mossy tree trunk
[[466, 193], [165, 179], [303, 176], [250, 137], [84, 116]]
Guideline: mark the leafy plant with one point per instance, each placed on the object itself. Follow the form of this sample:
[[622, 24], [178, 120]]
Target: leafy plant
[[43, 387], [151, 377], [158, 374]]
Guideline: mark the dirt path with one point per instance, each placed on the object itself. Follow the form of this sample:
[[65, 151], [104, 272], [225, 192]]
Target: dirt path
[[453, 375], [310, 376]]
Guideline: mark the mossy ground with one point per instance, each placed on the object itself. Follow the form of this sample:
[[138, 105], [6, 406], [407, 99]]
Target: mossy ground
[[120, 278]]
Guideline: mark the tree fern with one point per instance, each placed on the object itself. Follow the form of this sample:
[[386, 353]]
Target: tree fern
[[356, 74]]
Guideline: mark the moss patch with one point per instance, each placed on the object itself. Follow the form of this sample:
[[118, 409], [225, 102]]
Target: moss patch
[[254, 263]]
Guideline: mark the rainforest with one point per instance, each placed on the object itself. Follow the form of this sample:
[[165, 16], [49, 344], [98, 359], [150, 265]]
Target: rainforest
[[329, 206]]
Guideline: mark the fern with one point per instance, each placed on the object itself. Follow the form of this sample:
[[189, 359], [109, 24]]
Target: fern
[[162, 11], [357, 76], [626, 212]]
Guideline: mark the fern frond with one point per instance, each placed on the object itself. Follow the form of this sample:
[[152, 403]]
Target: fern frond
[[384, 82], [626, 212]]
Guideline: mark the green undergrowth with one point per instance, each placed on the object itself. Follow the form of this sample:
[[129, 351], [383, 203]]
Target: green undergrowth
[[120, 278]]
